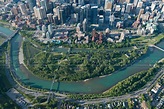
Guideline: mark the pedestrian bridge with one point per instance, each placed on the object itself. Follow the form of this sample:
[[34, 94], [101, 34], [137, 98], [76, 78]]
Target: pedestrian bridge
[[157, 47], [10, 37]]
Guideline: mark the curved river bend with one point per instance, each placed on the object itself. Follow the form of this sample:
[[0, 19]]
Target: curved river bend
[[95, 85]]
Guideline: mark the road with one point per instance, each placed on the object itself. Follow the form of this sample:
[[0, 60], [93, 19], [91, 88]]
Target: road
[[11, 77], [82, 102], [147, 87]]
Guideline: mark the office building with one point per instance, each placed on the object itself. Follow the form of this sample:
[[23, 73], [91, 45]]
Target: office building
[[22, 9], [50, 30], [44, 29], [153, 5], [135, 2], [31, 4], [40, 13], [14, 10], [57, 12], [118, 8], [48, 36], [50, 17], [94, 12], [108, 5], [129, 7], [62, 17], [81, 2], [85, 25], [55, 20], [139, 5], [101, 20], [44, 3], [82, 14]]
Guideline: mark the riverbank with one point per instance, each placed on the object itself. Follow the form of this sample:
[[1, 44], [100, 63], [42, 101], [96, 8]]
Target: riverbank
[[100, 84], [102, 77], [21, 57], [139, 82]]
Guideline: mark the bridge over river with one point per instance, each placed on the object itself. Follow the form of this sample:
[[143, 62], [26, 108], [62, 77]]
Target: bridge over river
[[157, 47], [9, 37], [94, 85]]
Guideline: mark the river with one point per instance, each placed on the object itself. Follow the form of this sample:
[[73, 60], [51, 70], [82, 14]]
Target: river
[[95, 85]]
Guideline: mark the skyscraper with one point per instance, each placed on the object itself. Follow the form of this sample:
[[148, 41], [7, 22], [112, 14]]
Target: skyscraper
[[50, 17], [135, 3], [108, 5], [94, 12], [40, 13], [88, 12], [23, 8], [85, 25], [31, 4], [48, 36], [62, 17], [81, 2], [14, 10], [140, 4], [153, 5], [128, 7], [57, 12], [44, 29], [82, 14], [44, 3], [50, 30]]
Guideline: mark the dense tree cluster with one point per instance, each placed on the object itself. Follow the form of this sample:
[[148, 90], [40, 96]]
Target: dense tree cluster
[[128, 85], [5, 101], [76, 66]]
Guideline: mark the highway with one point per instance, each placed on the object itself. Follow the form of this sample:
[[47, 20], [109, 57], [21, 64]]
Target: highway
[[35, 93]]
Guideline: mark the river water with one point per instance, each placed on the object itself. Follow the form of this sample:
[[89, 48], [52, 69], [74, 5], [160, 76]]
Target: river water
[[95, 85]]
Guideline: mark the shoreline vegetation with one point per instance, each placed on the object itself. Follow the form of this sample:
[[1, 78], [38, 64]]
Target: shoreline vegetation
[[5, 101], [128, 85], [77, 63], [71, 95], [69, 65]]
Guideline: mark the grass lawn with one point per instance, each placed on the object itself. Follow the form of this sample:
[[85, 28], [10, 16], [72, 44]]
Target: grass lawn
[[149, 40], [29, 50], [1, 40]]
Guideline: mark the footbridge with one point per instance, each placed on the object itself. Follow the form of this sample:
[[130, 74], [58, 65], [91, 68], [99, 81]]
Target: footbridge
[[10, 37], [157, 47]]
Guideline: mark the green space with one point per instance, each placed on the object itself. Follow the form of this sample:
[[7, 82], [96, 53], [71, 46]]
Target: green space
[[6, 24], [2, 39], [104, 45], [79, 65], [5, 101], [148, 40], [29, 52], [132, 83], [29, 37]]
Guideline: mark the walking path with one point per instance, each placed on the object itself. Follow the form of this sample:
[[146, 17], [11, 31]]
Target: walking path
[[157, 47], [147, 87]]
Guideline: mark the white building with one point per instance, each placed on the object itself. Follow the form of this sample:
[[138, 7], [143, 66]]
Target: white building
[[40, 13], [50, 30], [23, 9], [108, 5], [44, 29], [129, 7]]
